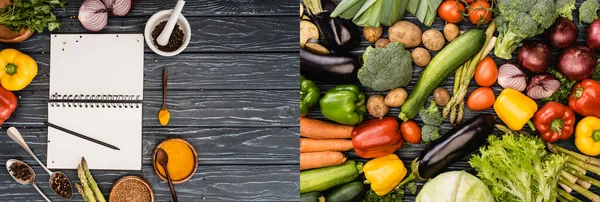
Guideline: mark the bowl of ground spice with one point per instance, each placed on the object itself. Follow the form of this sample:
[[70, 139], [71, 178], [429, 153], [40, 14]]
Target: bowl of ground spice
[[179, 39], [183, 160], [131, 188]]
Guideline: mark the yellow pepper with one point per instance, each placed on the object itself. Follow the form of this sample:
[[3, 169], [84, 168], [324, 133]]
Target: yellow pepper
[[17, 69], [384, 173], [515, 109], [587, 136]]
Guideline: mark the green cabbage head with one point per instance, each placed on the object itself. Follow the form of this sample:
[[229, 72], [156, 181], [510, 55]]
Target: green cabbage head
[[455, 186]]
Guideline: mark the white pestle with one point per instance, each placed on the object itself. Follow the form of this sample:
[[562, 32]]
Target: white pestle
[[163, 38]]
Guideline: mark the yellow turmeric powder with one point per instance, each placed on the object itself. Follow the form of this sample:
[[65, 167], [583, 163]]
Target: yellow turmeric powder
[[181, 160], [163, 117]]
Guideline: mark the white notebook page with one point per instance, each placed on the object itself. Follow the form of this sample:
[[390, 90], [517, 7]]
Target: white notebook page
[[96, 64]]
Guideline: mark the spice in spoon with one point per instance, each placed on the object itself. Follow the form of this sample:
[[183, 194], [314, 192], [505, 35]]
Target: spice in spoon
[[175, 40], [21, 171], [164, 115], [61, 185]]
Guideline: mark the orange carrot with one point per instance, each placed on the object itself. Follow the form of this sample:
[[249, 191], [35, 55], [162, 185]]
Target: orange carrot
[[312, 160], [323, 130], [316, 145]]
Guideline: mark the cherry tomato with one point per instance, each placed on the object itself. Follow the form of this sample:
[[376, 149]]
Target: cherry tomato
[[450, 11], [411, 132], [481, 99], [480, 12], [486, 72]]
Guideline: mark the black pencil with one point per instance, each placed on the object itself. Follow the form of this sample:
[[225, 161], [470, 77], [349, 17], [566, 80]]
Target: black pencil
[[81, 136]]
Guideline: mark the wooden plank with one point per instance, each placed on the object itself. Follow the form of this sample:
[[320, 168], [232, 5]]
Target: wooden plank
[[209, 34], [220, 71], [209, 183], [208, 108], [202, 8], [231, 146]]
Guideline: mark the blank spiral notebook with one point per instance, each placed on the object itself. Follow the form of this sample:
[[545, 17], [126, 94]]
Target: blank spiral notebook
[[96, 89]]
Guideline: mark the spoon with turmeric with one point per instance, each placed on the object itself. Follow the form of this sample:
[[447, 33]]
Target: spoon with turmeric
[[164, 115], [163, 159]]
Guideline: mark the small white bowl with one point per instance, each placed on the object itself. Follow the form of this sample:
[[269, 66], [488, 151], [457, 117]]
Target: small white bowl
[[164, 16]]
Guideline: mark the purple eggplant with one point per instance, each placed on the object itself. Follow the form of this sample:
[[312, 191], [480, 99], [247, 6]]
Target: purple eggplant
[[330, 69]]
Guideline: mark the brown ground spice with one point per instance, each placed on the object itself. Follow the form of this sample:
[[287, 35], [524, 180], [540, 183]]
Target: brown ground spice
[[175, 41], [131, 190]]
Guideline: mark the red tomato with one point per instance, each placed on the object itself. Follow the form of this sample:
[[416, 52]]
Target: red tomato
[[480, 12], [411, 132], [468, 1], [451, 11], [481, 99], [486, 72]]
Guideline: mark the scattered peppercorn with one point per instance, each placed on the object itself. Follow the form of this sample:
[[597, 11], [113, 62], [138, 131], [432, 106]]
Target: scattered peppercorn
[[175, 40]]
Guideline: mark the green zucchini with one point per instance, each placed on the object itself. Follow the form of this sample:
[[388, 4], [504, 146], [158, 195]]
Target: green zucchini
[[311, 197], [349, 192], [444, 64], [321, 179]]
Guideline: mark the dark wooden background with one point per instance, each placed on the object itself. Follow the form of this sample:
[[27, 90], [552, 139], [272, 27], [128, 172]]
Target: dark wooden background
[[409, 151], [233, 93]]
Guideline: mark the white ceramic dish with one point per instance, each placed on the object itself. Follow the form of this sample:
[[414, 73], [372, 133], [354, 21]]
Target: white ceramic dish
[[164, 16]]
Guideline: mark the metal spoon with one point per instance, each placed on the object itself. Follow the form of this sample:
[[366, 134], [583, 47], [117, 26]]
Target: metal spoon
[[164, 115], [14, 134], [30, 181], [162, 158], [163, 38]]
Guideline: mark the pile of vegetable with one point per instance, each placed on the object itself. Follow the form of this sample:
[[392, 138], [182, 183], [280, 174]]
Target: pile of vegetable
[[551, 96]]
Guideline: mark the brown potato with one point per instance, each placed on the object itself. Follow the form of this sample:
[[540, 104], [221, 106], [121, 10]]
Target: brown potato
[[372, 33], [421, 56], [382, 43], [376, 106], [451, 31], [441, 96], [433, 40], [407, 33], [395, 97]]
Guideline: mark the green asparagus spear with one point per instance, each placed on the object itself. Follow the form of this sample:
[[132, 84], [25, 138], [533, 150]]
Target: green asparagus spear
[[566, 195], [91, 181], [81, 191], [86, 188], [579, 189]]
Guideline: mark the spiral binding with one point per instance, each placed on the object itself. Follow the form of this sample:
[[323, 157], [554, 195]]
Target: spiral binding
[[96, 101]]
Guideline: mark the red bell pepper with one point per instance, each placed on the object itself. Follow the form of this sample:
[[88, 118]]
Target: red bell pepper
[[554, 121], [585, 98], [8, 104], [377, 137]]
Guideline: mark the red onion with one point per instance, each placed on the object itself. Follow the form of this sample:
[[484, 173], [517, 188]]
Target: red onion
[[593, 35], [562, 33], [93, 14], [535, 57], [577, 62], [510, 76], [542, 86]]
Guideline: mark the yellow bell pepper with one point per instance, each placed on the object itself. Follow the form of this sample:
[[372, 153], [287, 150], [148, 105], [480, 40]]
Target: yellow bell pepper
[[587, 136], [384, 173], [515, 109], [17, 69]]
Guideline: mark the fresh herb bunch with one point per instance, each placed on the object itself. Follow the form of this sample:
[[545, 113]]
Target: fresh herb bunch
[[33, 14], [394, 196]]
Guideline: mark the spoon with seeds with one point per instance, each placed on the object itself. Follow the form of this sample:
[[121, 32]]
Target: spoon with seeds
[[23, 174], [59, 182]]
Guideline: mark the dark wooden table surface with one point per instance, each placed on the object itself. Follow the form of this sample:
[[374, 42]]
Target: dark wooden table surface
[[233, 93]]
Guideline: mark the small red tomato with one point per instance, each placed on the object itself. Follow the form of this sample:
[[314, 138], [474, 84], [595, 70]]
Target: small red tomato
[[486, 72], [451, 11], [481, 99], [480, 12], [411, 132]]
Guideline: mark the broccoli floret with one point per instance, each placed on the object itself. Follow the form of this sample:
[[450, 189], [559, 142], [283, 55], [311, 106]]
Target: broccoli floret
[[429, 133], [520, 19], [431, 115], [587, 11], [565, 8], [386, 68]]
